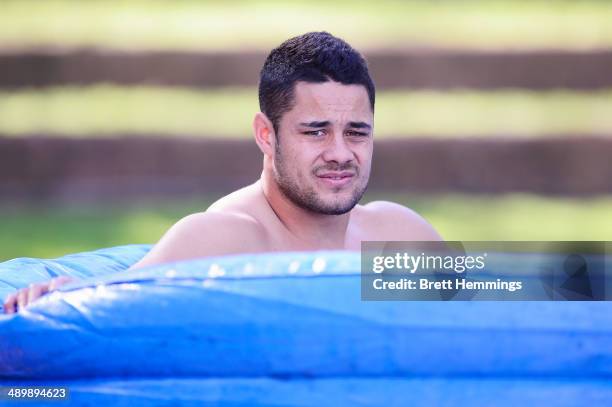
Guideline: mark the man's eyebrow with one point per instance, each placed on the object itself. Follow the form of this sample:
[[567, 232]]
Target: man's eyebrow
[[325, 123], [360, 125], [316, 124]]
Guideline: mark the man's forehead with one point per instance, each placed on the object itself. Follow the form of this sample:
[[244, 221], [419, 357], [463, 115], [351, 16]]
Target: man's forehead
[[331, 96]]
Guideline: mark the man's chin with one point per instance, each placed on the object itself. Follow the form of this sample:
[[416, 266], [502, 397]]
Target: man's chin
[[322, 200], [333, 211], [341, 201], [334, 207]]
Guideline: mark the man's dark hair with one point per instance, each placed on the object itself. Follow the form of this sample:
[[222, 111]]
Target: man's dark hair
[[314, 57]]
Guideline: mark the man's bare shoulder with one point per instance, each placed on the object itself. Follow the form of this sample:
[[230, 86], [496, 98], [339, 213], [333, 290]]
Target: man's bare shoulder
[[206, 234], [392, 221], [204, 225]]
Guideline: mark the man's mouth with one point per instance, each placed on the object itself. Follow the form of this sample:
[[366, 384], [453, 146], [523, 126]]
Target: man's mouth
[[336, 178]]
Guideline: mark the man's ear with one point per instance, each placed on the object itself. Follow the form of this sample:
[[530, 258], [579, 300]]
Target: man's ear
[[264, 134]]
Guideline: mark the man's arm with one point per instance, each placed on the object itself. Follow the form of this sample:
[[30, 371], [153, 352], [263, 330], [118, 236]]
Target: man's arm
[[25, 296], [198, 235]]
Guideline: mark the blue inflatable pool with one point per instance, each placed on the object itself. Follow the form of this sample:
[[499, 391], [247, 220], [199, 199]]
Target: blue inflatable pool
[[289, 329]]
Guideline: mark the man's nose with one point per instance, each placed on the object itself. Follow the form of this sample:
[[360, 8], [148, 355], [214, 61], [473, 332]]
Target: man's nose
[[338, 150]]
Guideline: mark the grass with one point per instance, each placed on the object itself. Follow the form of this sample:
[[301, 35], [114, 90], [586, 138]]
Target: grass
[[217, 25], [106, 109], [37, 231], [54, 231]]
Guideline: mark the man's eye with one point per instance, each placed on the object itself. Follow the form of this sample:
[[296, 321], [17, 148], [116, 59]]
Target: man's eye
[[356, 133], [316, 133]]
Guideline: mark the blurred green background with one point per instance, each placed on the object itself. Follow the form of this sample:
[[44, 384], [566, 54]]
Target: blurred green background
[[262, 24], [49, 230]]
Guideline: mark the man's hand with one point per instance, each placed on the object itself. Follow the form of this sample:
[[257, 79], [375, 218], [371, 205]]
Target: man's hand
[[25, 296]]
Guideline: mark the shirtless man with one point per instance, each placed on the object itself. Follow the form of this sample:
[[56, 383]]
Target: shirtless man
[[315, 131]]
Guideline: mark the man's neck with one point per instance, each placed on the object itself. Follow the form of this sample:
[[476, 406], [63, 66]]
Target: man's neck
[[313, 230]]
